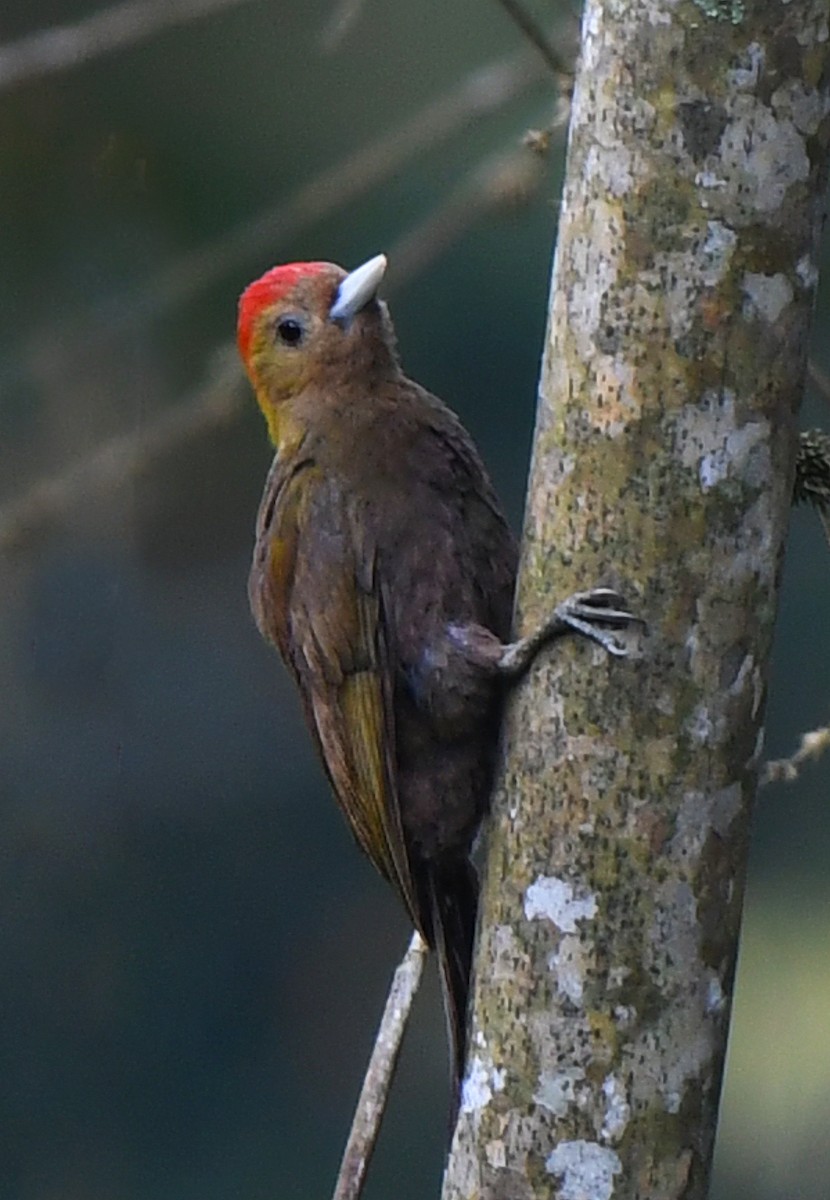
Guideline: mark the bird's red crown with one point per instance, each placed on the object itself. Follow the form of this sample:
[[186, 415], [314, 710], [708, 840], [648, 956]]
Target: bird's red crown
[[267, 290]]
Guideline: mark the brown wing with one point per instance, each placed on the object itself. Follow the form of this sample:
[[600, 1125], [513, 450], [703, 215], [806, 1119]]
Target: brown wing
[[315, 593]]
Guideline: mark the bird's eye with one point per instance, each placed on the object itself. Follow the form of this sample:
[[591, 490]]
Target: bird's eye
[[290, 331]]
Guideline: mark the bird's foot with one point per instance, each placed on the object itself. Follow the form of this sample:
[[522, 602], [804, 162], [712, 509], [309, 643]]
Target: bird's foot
[[584, 613]]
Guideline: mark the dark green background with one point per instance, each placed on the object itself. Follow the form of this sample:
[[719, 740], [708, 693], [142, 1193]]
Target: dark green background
[[193, 955]]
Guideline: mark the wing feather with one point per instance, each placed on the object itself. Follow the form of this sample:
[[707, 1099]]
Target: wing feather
[[317, 596]]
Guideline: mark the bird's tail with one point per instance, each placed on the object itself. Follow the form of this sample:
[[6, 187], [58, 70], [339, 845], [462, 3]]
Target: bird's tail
[[452, 894]]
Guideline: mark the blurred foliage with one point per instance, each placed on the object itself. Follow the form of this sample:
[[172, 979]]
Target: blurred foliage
[[194, 954]]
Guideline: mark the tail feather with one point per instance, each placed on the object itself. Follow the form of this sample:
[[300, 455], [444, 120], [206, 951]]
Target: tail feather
[[452, 895]]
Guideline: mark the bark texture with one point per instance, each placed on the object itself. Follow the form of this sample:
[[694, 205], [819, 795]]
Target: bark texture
[[663, 463]]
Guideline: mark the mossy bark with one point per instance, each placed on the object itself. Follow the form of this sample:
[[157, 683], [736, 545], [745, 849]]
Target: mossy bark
[[663, 463]]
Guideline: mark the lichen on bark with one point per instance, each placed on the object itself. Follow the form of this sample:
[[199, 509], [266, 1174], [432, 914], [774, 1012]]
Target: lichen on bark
[[682, 292]]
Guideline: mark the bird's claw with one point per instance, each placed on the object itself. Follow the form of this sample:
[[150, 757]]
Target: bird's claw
[[586, 612]]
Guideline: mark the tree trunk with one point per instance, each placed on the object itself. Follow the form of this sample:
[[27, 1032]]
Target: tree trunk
[[663, 462]]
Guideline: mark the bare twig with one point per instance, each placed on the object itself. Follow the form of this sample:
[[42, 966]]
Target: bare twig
[[64, 46], [485, 90], [499, 181], [346, 12], [124, 457], [813, 744], [534, 33], [372, 1101], [819, 378]]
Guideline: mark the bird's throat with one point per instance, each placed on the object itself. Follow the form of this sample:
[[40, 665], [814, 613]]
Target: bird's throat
[[285, 430]]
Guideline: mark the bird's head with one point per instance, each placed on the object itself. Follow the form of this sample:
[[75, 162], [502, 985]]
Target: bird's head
[[312, 323]]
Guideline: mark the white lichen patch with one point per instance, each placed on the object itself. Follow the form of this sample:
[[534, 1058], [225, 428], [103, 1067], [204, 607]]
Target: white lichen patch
[[713, 469], [766, 295], [812, 25], [617, 977], [476, 1092], [699, 815], [744, 453], [679, 1050], [722, 10], [744, 677], [725, 805], [617, 165], [655, 15], [806, 106], [617, 1109], [710, 181], [761, 156], [744, 76], [569, 968], [664, 296], [701, 727], [674, 933], [715, 998], [716, 252], [616, 405], [753, 557], [594, 268], [480, 1084], [554, 900], [562, 465], [625, 1016], [703, 428], [807, 272], [556, 1091], [586, 1170], [496, 1154], [591, 40], [697, 1049], [712, 443], [507, 955], [619, 168]]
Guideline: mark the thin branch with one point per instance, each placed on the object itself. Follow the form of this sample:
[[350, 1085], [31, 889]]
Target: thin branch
[[62, 47], [535, 34], [819, 378], [127, 455], [813, 744], [502, 181], [484, 91], [372, 1102], [222, 398], [346, 13]]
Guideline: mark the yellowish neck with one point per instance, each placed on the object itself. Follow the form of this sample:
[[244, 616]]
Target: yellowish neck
[[284, 429]]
